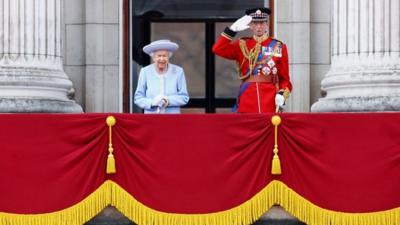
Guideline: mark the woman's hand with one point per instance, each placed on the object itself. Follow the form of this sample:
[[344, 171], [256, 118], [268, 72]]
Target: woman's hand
[[160, 101]]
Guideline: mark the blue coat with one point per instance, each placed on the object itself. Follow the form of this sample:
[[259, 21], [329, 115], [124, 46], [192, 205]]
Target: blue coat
[[172, 84]]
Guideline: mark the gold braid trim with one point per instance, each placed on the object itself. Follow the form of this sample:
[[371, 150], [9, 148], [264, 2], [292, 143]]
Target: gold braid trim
[[227, 36], [250, 55], [260, 39]]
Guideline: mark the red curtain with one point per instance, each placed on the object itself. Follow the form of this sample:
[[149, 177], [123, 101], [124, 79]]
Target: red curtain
[[50, 162], [343, 162], [199, 164]]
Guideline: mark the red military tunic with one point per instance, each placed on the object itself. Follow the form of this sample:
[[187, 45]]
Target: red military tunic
[[269, 59]]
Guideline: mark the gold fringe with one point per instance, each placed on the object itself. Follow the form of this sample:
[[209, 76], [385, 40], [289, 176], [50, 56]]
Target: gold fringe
[[248, 212], [74, 215], [314, 215], [275, 192]]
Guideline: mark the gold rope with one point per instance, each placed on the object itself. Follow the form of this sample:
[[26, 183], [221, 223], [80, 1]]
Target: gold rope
[[110, 158], [276, 163]]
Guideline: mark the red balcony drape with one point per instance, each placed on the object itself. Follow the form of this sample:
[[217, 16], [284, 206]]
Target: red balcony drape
[[200, 169]]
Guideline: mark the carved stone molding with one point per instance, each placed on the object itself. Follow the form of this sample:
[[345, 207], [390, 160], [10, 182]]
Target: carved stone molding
[[31, 73], [365, 71]]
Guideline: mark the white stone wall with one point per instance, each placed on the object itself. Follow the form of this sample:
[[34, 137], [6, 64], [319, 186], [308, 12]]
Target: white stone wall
[[320, 47], [304, 25], [91, 43], [365, 74], [293, 28], [31, 74]]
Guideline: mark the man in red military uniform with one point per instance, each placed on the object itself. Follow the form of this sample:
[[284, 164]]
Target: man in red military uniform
[[262, 63]]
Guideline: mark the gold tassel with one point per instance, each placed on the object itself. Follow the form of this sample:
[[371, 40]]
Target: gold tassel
[[111, 164], [276, 166], [276, 162], [110, 159]]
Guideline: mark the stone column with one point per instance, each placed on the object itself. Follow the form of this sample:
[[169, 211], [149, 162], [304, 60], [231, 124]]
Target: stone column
[[31, 74], [365, 70]]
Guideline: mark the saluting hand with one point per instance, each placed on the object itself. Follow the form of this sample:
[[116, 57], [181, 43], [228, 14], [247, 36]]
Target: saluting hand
[[241, 24]]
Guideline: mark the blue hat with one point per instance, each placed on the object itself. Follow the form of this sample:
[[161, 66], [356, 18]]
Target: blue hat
[[160, 45], [259, 14]]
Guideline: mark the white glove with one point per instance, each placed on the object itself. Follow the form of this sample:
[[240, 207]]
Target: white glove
[[157, 100], [241, 24], [163, 102], [279, 100]]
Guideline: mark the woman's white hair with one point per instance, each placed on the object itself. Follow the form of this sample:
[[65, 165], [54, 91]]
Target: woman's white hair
[[169, 54]]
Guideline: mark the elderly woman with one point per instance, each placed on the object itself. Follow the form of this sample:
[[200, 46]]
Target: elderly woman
[[161, 86]]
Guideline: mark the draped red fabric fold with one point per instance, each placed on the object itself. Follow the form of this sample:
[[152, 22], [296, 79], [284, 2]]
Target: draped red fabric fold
[[193, 163], [343, 162], [50, 162], [200, 163]]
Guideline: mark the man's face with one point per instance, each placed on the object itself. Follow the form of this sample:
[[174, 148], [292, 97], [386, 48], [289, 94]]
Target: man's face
[[259, 28]]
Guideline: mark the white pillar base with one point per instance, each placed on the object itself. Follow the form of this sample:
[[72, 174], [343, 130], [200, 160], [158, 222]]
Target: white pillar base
[[32, 90], [358, 104], [366, 88]]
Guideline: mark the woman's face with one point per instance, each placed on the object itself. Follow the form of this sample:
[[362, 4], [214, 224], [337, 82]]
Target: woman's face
[[161, 59], [259, 28]]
